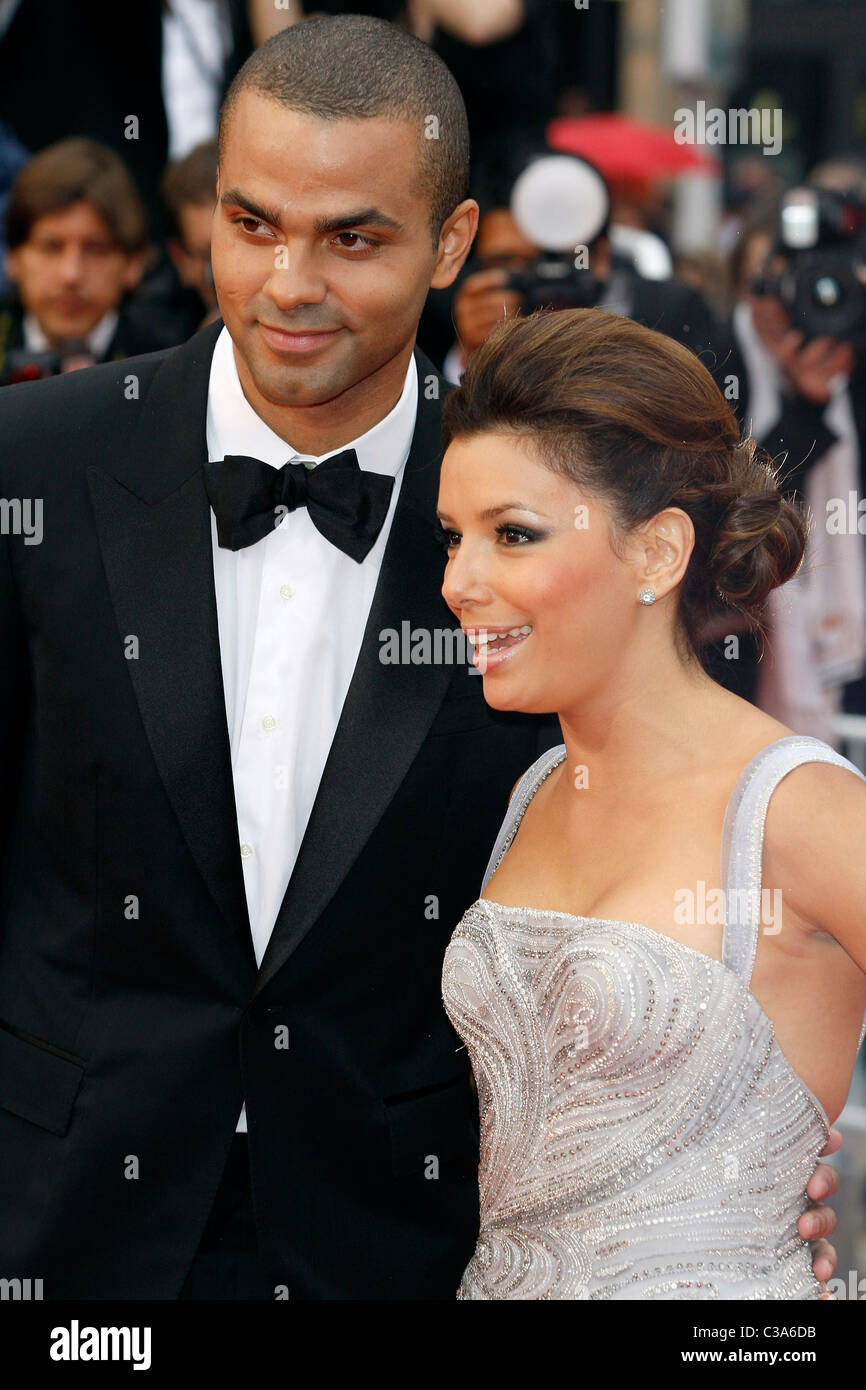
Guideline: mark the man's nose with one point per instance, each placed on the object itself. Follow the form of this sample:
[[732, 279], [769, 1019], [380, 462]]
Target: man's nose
[[294, 279], [71, 263]]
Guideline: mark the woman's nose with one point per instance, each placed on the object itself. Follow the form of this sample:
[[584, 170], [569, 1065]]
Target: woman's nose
[[465, 584]]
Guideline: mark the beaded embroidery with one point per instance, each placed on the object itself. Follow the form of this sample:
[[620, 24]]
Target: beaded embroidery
[[642, 1133]]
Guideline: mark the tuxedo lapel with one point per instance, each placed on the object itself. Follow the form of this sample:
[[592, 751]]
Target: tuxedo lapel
[[153, 519], [388, 708]]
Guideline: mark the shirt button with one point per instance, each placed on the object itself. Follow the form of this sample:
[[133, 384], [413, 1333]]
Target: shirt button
[[286, 591], [246, 851], [269, 722]]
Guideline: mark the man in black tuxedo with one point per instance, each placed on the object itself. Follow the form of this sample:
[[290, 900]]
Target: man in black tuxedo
[[225, 1070]]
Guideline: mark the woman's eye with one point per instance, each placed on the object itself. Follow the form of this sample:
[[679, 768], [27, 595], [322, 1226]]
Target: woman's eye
[[522, 534], [446, 538]]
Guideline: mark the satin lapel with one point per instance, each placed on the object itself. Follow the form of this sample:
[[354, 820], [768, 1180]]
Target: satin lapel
[[388, 708], [153, 520]]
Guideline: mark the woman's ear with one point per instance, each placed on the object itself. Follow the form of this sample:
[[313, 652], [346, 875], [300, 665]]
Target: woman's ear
[[662, 548]]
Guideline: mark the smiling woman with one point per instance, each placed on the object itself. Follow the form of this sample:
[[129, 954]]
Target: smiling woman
[[655, 1077], [636, 423]]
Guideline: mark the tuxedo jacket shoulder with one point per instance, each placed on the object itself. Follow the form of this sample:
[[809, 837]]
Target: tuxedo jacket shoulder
[[77, 417]]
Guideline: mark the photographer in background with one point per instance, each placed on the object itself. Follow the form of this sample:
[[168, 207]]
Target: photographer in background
[[797, 377], [77, 244], [514, 266]]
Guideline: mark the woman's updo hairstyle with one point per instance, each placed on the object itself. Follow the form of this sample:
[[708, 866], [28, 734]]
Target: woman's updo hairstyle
[[634, 417]]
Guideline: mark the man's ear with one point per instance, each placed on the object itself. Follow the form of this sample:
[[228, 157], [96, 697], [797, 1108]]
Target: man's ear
[[134, 268], [455, 243], [10, 265], [180, 259]]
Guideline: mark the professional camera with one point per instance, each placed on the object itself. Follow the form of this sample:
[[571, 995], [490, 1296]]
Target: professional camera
[[561, 204], [822, 240], [21, 364]]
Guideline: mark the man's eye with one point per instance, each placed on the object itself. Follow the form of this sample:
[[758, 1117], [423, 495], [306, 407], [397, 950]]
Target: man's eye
[[242, 221], [356, 236]]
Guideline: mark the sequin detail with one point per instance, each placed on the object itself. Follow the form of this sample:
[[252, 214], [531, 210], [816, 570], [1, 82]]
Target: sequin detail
[[642, 1133]]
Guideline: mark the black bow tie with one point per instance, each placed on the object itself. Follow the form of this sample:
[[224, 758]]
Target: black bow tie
[[346, 503]]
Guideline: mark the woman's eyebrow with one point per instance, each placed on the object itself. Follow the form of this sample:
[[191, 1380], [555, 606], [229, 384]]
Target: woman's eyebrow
[[490, 513]]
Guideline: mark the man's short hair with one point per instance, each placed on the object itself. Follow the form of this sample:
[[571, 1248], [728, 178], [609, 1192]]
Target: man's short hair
[[69, 172], [354, 67]]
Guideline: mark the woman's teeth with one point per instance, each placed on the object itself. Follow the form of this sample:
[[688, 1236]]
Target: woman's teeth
[[484, 638]]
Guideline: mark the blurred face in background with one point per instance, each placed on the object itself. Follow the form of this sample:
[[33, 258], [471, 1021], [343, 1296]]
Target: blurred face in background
[[70, 272], [501, 244], [191, 250], [754, 260]]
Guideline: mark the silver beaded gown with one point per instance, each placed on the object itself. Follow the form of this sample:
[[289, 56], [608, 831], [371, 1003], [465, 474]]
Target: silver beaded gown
[[642, 1133]]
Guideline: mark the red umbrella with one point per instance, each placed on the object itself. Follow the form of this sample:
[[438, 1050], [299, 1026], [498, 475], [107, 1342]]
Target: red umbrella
[[625, 150]]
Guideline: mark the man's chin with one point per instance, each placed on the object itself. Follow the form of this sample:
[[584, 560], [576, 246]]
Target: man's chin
[[67, 330], [295, 383]]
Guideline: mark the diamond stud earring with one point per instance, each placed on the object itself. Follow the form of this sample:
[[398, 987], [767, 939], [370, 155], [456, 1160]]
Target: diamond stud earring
[[647, 596]]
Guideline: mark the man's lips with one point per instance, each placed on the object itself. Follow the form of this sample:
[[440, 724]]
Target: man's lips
[[297, 340]]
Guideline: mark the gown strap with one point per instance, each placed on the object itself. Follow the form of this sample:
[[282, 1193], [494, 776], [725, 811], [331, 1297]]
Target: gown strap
[[743, 841], [520, 799]]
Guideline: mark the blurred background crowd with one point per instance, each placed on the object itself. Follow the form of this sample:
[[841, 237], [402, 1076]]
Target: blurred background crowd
[[699, 165]]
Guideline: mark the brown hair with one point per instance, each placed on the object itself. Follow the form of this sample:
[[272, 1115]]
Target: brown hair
[[189, 180], [636, 418], [352, 67], [69, 172]]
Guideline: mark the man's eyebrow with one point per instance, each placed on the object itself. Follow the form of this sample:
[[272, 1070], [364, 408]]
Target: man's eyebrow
[[369, 216], [365, 217]]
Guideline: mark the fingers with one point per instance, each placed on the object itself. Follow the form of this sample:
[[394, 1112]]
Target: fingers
[[817, 1222], [833, 1144], [771, 320], [823, 1260], [823, 1182], [480, 303], [481, 280], [787, 349], [826, 355]]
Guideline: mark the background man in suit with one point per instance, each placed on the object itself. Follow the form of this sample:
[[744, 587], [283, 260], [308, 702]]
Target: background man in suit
[[236, 841], [77, 238]]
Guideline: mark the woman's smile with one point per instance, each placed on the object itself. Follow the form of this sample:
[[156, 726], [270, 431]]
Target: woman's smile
[[493, 646]]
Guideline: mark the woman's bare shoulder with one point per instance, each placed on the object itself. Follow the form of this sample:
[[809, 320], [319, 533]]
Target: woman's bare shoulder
[[814, 835]]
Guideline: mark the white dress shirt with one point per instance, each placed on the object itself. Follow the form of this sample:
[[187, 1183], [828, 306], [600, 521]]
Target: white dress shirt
[[97, 339], [292, 609]]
